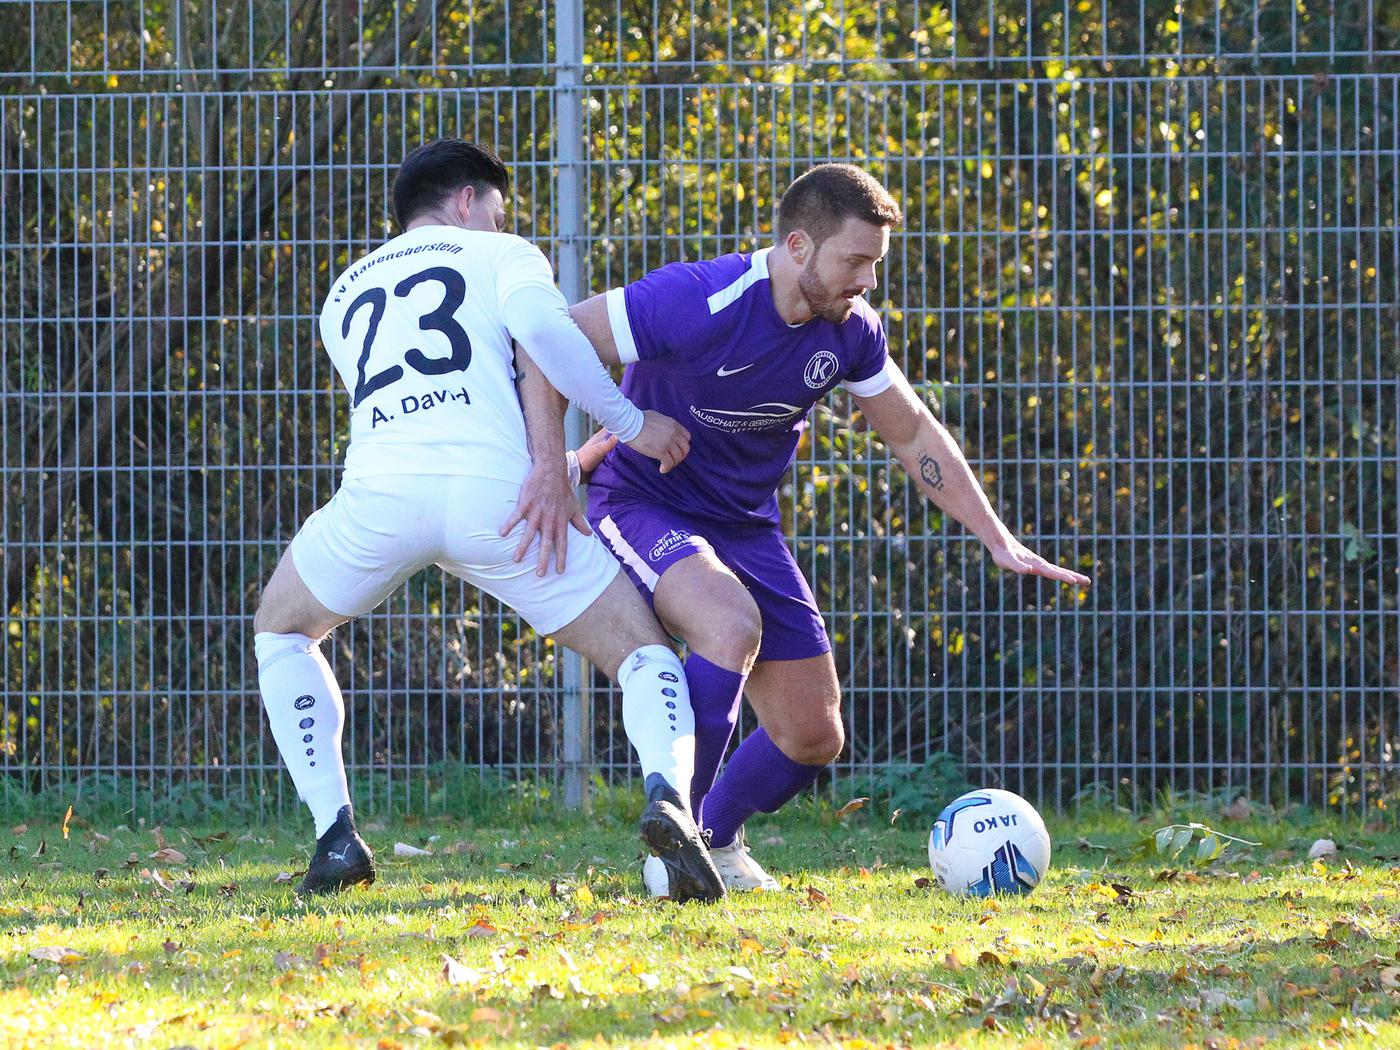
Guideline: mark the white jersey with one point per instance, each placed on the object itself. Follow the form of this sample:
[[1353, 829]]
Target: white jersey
[[415, 330]]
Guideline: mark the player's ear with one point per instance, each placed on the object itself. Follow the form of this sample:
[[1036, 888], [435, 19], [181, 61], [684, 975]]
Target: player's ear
[[799, 246], [466, 196]]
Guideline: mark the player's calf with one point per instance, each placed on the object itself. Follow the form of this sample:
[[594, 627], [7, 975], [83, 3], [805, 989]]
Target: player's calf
[[657, 714]]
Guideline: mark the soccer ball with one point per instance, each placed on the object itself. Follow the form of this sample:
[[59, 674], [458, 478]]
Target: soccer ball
[[989, 841]]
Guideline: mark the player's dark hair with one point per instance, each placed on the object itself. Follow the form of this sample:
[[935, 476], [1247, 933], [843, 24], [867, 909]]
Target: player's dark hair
[[436, 169], [821, 200]]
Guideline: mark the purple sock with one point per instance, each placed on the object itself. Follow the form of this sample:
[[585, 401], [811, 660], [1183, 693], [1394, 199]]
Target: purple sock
[[715, 695], [758, 777]]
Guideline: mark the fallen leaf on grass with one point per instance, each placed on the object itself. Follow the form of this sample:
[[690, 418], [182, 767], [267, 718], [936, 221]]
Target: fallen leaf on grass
[[1390, 977], [852, 806], [285, 961], [481, 928], [456, 973], [282, 876], [56, 953], [169, 855], [1173, 875], [403, 849], [151, 875], [66, 818]]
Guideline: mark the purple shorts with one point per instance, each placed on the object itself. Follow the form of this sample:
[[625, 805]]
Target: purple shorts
[[648, 539]]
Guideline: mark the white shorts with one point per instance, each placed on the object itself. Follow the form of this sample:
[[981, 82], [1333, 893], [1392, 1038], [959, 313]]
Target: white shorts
[[377, 532]]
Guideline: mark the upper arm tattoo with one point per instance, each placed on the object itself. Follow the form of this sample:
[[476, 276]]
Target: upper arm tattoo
[[930, 471]]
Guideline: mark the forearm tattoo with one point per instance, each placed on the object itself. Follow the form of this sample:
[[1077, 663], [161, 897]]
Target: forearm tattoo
[[930, 471]]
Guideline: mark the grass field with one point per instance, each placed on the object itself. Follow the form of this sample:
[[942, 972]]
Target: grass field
[[538, 936]]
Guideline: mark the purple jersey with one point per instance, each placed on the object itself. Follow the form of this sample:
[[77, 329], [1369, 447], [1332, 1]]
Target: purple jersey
[[705, 344]]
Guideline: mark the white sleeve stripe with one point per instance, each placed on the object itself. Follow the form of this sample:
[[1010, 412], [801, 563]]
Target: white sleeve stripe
[[876, 384], [621, 326]]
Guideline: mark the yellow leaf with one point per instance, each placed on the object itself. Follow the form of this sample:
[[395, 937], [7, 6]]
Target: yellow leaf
[[56, 953]]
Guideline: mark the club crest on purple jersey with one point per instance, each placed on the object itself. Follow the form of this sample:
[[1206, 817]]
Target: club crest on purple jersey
[[820, 369]]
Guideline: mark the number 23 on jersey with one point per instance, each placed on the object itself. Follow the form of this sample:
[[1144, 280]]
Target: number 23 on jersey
[[442, 319]]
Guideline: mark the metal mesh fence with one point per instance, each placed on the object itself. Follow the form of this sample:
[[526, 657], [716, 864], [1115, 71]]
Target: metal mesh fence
[[1148, 277]]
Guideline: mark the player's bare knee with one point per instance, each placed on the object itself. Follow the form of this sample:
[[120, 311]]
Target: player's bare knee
[[810, 745], [834, 744], [821, 749], [732, 637]]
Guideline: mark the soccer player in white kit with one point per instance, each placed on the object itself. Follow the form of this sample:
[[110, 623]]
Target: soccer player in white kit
[[439, 471]]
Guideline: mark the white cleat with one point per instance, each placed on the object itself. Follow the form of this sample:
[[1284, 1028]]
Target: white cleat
[[738, 869], [655, 877]]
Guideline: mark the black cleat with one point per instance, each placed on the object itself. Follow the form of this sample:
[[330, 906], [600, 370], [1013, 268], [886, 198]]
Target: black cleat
[[341, 860], [671, 835]]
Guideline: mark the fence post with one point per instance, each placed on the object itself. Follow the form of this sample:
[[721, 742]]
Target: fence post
[[570, 228]]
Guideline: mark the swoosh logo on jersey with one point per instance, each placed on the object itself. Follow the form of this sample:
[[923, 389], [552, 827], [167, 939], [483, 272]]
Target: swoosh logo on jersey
[[734, 371]]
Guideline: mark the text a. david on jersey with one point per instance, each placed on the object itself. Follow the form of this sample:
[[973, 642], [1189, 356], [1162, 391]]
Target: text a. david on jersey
[[424, 402]]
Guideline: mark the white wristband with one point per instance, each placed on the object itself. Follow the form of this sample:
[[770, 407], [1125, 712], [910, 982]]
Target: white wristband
[[571, 462]]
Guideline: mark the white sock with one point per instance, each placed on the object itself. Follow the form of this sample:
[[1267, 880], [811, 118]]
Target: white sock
[[307, 713], [657, 715]]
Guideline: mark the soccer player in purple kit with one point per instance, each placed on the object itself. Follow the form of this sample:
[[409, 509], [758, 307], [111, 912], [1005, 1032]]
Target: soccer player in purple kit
[[741, 348]]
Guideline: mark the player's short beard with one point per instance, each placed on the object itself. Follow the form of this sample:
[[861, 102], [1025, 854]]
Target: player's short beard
[[822, 303]]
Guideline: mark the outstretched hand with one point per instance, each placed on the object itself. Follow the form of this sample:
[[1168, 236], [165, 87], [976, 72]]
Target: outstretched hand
[[1016, 556], [548, 507]]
